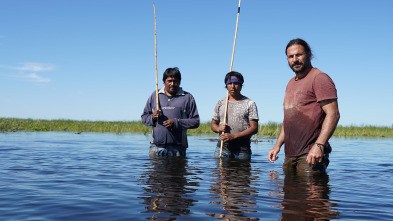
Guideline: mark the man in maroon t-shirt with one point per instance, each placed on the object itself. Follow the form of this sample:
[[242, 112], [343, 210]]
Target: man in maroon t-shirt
[[310, 114]]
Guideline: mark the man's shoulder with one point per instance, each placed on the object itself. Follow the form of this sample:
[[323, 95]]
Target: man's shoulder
[[321, 76], [314, 75], [182, 92], [315, 72], [153, 94], [222, 100], [246, 100], [249, 102], [185, 94]]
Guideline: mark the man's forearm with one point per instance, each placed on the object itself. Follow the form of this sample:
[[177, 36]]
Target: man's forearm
[[328, 126], [191, 123], [281, 136]]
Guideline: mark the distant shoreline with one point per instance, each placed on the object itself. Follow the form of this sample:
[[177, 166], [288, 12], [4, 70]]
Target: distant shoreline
[[269, 130]]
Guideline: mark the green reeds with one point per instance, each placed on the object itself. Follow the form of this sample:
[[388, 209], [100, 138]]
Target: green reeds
[[269, 130], [13, 125], [363, 131]]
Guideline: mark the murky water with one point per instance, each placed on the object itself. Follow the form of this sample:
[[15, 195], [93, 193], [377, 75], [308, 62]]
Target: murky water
[[103, 176]]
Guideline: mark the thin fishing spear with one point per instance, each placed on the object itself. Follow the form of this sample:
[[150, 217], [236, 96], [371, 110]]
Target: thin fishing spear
[[155, 49], [233, 54]]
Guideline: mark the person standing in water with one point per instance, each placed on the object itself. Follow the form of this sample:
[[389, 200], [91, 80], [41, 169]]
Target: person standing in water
[[310, 114], [177, 112], [242, 120]]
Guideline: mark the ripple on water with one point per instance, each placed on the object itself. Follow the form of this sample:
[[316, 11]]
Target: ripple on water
[[100, 176]]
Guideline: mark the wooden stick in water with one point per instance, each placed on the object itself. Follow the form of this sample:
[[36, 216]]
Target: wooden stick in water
[[155, 48], [233, 55]]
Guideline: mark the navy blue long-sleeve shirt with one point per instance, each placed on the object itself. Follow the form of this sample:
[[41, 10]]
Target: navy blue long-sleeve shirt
[[181, 107]]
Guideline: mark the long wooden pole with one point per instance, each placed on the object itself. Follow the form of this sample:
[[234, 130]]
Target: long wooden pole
[[233, 55], [155, 48]]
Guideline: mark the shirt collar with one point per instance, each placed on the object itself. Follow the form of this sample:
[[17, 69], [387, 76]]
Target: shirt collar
[[179, 92]]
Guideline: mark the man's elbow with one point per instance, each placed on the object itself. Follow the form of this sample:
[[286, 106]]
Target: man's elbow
[[195, 124], [255, 126], [335, 116], [254, 131]]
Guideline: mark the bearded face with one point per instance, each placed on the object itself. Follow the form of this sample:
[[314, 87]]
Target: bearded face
[[298, 59], [300, 66]]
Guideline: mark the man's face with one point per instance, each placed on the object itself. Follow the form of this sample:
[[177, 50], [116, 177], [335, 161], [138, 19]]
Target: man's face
[[234, 88], [172, 85], [298, 60]]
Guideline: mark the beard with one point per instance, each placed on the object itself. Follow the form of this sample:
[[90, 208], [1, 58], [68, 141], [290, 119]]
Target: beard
[[303, 66], [172, 90]]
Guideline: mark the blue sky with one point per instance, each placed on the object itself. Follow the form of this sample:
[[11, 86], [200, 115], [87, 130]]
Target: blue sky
[[94, 59]]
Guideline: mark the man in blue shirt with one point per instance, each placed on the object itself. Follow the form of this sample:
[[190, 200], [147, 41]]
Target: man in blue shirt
[[177, 112]]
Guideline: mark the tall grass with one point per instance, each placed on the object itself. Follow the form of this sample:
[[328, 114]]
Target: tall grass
[[269, 130], [363, 131], [12, 124]]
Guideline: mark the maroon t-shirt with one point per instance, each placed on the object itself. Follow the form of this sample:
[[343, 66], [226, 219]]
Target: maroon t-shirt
[[303, 115]]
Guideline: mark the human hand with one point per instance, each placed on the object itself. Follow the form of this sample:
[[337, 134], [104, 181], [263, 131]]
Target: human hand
[[169, 123], [222, 128], [156, 114], [272, 155], [227, 137], [314, 155]]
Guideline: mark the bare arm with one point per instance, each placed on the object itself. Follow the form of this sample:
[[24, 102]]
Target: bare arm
[[216, 127], [253, 129], [330, 107], [272, 155]]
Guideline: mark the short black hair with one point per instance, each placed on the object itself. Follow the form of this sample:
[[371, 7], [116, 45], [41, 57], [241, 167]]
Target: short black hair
[[299, 41], [233, 73], [172, 72]]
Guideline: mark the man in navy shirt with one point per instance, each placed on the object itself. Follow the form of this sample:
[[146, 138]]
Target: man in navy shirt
[[177, 112]]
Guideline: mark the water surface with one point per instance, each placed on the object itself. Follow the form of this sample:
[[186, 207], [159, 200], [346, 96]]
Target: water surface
[[104, 176]]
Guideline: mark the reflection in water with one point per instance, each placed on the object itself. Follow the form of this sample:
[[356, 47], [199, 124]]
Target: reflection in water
[[168, 188], [234, 190], [306, 198]]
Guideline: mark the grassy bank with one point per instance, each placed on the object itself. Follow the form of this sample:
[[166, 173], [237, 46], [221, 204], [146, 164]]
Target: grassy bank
[[270, 130]]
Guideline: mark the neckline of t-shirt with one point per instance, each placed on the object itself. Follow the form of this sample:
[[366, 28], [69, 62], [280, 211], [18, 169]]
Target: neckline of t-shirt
[[243, 98], [305, 76]]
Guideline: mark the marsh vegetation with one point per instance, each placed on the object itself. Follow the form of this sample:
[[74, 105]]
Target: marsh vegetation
[[269, 130]]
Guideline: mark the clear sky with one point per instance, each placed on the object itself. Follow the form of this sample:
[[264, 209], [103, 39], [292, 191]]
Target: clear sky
[[94, 59]]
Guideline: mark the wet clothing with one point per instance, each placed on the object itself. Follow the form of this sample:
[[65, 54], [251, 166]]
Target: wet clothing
[[181, 107], [166, 151], [303, 115], [239, 114], [300, 166], [236, 149]]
